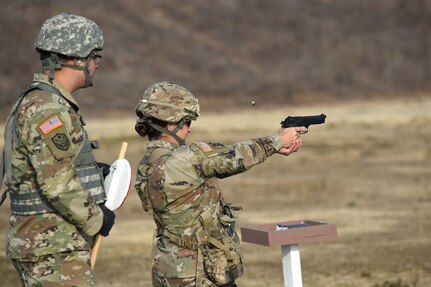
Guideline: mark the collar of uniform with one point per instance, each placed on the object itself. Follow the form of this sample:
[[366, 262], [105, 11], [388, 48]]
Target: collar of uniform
[[159, 144], [38, 77]]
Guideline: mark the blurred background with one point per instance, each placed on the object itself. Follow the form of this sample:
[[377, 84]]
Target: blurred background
[[275, 51], [365, 64]]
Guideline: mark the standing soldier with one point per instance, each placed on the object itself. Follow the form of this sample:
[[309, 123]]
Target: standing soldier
[[196, 243], [54, 182]]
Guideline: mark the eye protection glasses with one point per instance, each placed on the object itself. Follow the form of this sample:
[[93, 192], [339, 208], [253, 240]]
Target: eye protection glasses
[[96, 57]]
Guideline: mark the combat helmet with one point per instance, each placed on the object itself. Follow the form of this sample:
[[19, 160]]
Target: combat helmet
[[69, 35], [167, 102]]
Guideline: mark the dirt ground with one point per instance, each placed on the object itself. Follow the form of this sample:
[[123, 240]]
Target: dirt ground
[[367, 169]]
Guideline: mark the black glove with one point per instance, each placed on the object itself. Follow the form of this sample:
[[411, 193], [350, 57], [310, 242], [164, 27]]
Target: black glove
[[108, 220], [104, 167]]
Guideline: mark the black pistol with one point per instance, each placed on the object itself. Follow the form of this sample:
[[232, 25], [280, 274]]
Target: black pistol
[[305, 121]]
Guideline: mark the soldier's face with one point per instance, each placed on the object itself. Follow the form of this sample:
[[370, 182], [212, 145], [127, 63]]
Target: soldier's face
[[183, 132], [94, 65]]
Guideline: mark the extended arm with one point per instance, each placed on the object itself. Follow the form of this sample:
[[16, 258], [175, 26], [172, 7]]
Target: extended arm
[[226, 160]]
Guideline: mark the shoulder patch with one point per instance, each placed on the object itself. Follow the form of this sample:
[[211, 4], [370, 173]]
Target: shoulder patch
[[204, 146], [211, 149], [50, 125], [54, 131], [61, 141]]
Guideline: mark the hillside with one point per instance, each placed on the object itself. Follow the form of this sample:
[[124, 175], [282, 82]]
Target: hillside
[[229, 52]]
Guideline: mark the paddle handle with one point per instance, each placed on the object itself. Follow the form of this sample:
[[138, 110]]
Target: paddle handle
[[98, 240], [123, 150], [95, 250]]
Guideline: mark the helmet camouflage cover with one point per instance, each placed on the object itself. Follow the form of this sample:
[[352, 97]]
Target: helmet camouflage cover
[[168, 102], [70, 35]]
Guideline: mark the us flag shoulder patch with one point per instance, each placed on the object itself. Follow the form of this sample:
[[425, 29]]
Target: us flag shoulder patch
[[50, 125], [204, 146]]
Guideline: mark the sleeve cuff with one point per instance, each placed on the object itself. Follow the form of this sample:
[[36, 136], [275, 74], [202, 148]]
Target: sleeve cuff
[[271, 144], [275, 141], [94, 224]]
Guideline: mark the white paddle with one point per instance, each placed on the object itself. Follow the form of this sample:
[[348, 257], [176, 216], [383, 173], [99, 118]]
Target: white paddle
[[117, 185]]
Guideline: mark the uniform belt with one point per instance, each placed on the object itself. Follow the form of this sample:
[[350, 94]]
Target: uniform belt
[[180, 241]]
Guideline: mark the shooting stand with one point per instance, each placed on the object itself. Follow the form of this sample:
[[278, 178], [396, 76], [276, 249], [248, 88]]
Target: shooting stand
[[288, 235]]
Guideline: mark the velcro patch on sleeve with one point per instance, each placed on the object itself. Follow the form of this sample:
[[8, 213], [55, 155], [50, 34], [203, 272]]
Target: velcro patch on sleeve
[[50, 125], [204, 146]]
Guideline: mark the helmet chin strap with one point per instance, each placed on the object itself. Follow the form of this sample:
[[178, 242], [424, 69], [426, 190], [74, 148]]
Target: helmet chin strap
[[172, 133], [53, 64], [88, 80], [56, 64]]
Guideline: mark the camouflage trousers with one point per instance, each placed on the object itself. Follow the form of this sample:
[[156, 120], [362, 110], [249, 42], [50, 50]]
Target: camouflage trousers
[[185, 282], [62, 269]]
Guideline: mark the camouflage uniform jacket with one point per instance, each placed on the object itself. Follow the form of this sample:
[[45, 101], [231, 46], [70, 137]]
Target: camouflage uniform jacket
[[181, 189], [40, 162]]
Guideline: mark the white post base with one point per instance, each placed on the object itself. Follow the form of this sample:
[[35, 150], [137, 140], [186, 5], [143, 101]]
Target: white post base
[[291, 265]]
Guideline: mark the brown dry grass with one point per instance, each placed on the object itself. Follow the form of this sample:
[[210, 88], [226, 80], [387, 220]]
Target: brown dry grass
[[367, 169]]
